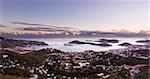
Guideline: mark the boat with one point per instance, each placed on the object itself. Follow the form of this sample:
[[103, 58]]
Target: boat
[[67, 44]]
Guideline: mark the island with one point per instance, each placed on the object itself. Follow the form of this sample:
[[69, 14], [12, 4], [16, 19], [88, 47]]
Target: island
[[79, 42]]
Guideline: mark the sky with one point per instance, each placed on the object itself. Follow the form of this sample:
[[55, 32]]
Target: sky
[[97, 15]]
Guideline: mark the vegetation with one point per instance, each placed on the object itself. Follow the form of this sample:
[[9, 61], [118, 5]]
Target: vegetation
[[28, 58], [123, 74], [10, 77], [135, 61], [144, 74], [17, 71]]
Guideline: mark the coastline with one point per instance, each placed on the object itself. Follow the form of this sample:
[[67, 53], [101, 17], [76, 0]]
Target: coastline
[[110, 62]]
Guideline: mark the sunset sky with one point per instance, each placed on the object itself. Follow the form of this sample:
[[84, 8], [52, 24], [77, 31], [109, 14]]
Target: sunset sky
[[99, 15]]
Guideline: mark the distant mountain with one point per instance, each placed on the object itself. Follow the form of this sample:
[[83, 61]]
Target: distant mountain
[[122, 31], [76, 34], [144, 32], [56, 31]]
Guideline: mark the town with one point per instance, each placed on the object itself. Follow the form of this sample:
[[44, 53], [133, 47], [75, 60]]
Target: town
[[51, 63]]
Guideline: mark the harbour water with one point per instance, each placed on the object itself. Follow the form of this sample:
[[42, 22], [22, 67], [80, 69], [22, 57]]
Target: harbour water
[[62, 43]]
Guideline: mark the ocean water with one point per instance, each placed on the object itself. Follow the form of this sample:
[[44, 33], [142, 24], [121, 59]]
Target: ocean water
[[58, 43]]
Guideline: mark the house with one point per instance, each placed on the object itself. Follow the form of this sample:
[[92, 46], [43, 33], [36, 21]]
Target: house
[[100, 74], [34, 76], [4, 56]]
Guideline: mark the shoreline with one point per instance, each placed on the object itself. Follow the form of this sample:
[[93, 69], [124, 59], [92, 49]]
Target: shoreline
[[38, 44]]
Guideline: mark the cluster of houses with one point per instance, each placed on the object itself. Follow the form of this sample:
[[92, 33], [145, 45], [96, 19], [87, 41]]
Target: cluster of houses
[[80, 62], [126, 52], [51, 65]]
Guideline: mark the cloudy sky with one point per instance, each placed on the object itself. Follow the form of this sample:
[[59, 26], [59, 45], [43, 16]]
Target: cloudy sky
[[99, 15]]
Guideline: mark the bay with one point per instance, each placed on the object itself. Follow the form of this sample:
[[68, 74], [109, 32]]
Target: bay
[[58, 43]]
